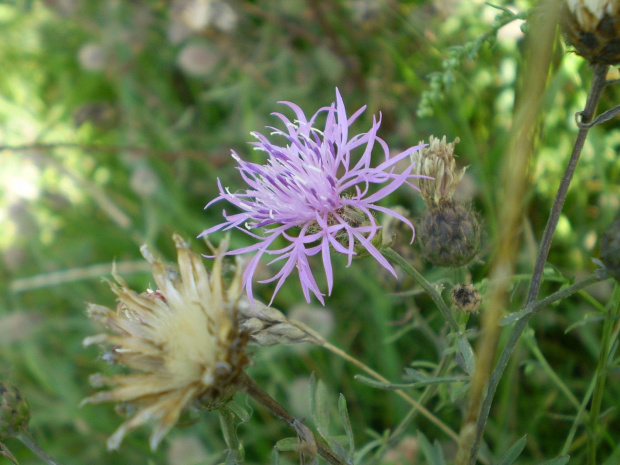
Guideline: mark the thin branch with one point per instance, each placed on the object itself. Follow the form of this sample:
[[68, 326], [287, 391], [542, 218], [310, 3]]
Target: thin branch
[[596, 90], [248, 385]]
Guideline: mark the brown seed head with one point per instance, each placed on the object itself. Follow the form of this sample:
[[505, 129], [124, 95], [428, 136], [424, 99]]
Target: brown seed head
[[593, 28]]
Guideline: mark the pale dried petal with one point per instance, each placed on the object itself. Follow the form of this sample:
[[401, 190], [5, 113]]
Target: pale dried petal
[[183, 341]]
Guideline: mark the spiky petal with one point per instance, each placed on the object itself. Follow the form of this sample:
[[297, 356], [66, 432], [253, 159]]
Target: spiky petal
[[314, 194]]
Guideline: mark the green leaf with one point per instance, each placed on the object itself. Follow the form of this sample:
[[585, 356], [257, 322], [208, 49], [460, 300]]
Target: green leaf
[[239, 411], [468, 355], [392, 386], [563, 460], [513, 317], [287, 445], [432, 452], [513, 453], [344, 415]]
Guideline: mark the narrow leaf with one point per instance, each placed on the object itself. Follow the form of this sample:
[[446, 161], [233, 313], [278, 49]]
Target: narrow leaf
[[344, 415], [513, 453]]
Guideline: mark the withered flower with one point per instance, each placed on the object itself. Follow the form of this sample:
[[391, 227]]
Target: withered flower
[[449, 232], [182, 342], [593, 28]]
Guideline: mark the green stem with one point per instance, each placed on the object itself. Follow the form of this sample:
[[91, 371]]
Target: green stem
[[394, 257], [577, 421], [530, 340], [405, 422], [537, 306], [26, 438], [5, 452], [229, 430], [248, 385], [613, 309], [594, 96]]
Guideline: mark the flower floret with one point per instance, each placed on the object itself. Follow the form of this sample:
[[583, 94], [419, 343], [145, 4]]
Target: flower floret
[[314, 195]]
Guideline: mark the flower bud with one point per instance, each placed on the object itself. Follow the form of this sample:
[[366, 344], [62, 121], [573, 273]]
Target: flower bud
[[593, 28], [610, 249], [449, 233], [466, 298], [437, 161], [14, 412]]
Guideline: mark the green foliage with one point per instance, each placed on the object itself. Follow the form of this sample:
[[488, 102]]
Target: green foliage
[[111, 137]]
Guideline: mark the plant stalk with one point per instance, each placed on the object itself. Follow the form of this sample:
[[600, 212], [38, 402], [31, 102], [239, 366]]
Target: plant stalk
[[594, 96], [26, 438], [314, 444]]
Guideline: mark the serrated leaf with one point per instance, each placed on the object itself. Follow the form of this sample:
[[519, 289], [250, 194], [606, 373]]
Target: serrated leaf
[[344, 415], [513, 453]]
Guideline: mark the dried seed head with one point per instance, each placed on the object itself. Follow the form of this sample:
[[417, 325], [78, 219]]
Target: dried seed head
[[437, 162], [610, 249], [593, 28], [183, 339], [466, 298], [14, 411], [449, 233]]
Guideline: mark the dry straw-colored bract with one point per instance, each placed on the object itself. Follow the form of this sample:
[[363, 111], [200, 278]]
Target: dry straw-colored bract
[[182, 342]]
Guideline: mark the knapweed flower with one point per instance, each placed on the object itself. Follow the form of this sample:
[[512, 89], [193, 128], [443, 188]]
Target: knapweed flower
[[315, 194], [182, 339], [593, 28]]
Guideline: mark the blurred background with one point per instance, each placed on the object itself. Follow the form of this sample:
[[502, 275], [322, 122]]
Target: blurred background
[[116, 119]]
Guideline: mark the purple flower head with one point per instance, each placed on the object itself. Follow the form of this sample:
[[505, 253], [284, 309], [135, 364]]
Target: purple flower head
[[314, 194]]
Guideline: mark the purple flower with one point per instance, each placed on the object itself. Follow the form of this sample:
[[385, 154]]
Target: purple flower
[[314, 194]]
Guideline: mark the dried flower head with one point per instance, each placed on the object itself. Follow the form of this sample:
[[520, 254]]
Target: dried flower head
[[183, 339], [593, 28], [466, 298], [14, 411], [314, 194], [437, 167]]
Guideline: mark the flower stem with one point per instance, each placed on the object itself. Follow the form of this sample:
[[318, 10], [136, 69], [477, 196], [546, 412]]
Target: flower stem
[[229, 429], [26, 438], [320, 340], [5, 452], [613, 309], [314, 444], [596, 90], [394, 257]]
